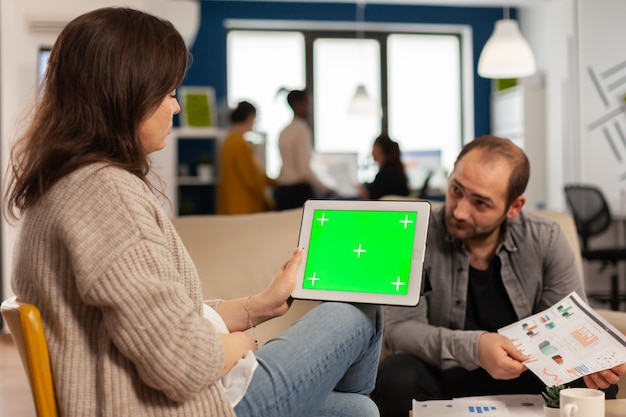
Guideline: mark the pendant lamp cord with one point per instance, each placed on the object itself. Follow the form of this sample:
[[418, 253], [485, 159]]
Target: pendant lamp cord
[[360, 18]]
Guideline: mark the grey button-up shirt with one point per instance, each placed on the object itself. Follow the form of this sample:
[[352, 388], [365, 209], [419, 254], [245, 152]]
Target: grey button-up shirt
[[538, 268]]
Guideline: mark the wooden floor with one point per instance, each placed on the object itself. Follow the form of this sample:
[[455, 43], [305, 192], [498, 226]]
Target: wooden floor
[[15, 396]]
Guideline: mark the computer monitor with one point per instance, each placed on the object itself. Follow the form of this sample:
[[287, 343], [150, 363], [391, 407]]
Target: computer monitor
[[338, 170], [419, 165], [42, 62]]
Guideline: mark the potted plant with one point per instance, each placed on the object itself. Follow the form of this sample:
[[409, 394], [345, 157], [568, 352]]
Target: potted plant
[[551, 400]]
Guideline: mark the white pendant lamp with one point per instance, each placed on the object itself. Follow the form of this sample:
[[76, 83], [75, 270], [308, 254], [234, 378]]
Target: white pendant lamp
[[506, 54], [362, 103]]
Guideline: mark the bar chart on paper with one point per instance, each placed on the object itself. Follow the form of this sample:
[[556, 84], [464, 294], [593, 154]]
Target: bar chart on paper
[[482, 409], [584, 336]]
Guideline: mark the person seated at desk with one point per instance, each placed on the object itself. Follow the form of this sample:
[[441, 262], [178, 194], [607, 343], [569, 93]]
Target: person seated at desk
[[243, 181], [490, 265], [391, 178]]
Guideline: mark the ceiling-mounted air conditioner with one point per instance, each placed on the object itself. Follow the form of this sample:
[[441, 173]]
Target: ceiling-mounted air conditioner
[[46, 25]]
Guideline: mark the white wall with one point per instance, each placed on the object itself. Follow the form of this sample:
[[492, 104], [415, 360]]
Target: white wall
[[18, 58], [603, 112], [549, 30], [572, 39]]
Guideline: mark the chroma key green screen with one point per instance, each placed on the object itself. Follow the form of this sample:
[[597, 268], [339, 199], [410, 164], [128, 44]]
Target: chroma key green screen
[[363, 251]]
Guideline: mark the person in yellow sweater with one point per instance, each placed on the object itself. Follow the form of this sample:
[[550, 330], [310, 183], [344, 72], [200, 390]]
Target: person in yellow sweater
[[243, 181]]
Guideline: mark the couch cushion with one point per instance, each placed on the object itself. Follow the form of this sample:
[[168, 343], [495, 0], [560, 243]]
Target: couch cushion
[[569, 229], [239, 255]]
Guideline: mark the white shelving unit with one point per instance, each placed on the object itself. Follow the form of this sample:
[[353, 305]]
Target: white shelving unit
[[182, 150]]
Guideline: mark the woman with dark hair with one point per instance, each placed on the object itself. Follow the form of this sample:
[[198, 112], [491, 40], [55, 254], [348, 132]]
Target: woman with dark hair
[[297, 182], [243, 183], [391, 178], [120, 299]]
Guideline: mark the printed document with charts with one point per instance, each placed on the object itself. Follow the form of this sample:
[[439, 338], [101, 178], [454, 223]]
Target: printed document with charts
[[492, 406], [567, 341]]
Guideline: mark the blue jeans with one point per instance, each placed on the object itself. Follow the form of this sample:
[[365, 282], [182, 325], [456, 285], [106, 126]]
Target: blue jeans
[[325, 364]]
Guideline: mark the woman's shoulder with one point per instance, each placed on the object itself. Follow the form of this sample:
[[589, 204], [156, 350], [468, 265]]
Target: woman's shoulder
[[97, 196], [234, 141], [98, 185], [99, 175]]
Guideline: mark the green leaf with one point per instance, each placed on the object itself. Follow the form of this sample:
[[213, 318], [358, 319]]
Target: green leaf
[[551, 395]]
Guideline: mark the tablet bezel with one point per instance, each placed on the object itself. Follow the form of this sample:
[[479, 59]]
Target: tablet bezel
[[421, 207]]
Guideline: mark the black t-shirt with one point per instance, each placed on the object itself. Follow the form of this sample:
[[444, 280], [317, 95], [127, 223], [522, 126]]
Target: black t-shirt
[[488, 305]]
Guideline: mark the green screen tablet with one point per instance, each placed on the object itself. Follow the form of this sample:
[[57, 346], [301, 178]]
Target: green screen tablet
[[362, 251]]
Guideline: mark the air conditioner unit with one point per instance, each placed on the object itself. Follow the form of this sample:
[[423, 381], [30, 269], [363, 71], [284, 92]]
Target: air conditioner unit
[[40, 25]]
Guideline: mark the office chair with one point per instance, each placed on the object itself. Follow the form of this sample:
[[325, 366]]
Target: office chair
[[592, 217], [24, 321], [423, 192]]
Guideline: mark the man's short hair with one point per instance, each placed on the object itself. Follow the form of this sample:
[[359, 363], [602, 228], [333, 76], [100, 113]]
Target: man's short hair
[[497, 147], [296, 96]]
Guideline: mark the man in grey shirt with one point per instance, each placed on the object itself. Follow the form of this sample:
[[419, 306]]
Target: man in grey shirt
[[490, 265]]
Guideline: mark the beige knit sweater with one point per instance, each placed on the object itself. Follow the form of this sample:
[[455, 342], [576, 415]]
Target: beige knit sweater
[[120, 300]]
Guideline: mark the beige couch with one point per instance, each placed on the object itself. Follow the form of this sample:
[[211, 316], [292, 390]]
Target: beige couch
[[238, 255]]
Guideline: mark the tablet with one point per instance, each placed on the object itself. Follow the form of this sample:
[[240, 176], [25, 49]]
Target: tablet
[[362, 251]]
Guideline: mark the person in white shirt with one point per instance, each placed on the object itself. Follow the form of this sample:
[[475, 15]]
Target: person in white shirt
[[297, 182]]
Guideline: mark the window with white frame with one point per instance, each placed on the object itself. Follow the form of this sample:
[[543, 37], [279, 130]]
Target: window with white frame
[[420, 78], [259, 64]]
